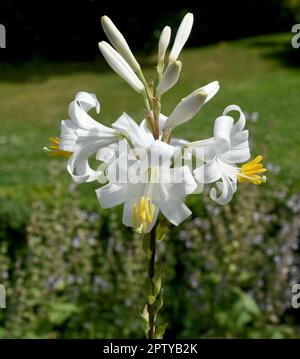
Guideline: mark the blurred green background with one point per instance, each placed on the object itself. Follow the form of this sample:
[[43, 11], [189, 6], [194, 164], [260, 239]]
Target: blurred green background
[[71, 270]]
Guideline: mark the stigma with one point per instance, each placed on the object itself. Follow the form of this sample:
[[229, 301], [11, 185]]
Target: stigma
[[143, 214], [55, 150], [252, 172]]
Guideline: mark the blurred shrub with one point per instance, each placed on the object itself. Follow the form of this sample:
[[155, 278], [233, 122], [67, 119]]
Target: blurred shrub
[[237, 265], [70, 281], [228, 271], [294, 6]]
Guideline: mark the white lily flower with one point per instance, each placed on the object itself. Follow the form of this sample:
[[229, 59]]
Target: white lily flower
[[182, 35], [160, 188], [190, 105], [228, 146], [119, 42], [169, 78], [120, 66], [82, 136], [163, 43], [157, 189]]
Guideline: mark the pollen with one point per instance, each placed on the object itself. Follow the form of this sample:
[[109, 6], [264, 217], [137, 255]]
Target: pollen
[[143, 214], [55, 150], [252, 172]]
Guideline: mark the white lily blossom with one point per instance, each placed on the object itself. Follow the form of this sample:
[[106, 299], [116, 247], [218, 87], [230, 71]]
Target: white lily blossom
[[223, 151], [119, 42], [82, 136], [182, 35], [190, 105], [163, 43], [120, 66], [169, 78], [159, 170], [158, 188]]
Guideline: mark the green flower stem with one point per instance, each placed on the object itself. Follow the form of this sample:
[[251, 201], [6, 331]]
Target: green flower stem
[[154, 291], [151, 273]]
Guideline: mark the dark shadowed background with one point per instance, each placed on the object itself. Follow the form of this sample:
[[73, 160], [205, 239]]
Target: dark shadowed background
[[70, 30]]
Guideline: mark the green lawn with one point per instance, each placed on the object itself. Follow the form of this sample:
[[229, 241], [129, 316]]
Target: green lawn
[[252, 73]]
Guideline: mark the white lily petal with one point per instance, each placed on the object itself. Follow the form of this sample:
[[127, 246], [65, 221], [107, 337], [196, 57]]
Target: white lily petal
[[84, 136], [238, 154], [110, 195], [78, 166], [86, 125], [239, 138], [182, 35], [120, 66], [78, 110], [228, 188], [209, 142], [182, 182], [127, 218], [210, 90], [163, 43], [186, 110], [190, 105], [175, 210], [161, 154], [117, 170], [170, 77], [211, 172], [240, 124], [68, 136], [119, 42], [179, 142], [87, 101], [200, 187], [222, 133], [107, 154], [135, 133]]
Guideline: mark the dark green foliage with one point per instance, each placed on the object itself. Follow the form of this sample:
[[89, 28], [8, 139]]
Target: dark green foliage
[[228, 272]]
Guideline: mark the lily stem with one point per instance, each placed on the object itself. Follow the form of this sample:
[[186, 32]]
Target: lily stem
[[151, 273]]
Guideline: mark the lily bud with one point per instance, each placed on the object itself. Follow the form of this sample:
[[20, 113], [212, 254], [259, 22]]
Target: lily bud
[[190, 105], [182, 35], [163, 44], [170, 77], [120, 66], [119, 42]]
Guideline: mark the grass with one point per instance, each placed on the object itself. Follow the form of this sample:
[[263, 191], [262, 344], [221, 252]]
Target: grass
[[254, 73]]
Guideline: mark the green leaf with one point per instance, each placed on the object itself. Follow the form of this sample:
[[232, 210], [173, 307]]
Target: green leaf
[[60, 312], [159, 303], [160, 331], [157, 286], [151, 299], [160, 233], [144, 315], [148, 287]]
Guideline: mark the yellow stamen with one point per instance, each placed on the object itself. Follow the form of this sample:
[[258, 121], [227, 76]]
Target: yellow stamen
[[55, 150], [134, 213], [251, 172], [143, 214], [150, 214]]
